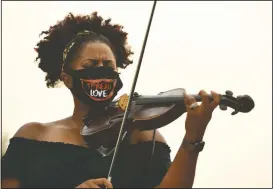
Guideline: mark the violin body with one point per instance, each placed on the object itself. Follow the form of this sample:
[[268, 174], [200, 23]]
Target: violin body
[[148, 113], [144, 115]]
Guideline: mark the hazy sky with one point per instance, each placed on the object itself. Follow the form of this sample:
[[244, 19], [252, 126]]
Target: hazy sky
[[192, 45]]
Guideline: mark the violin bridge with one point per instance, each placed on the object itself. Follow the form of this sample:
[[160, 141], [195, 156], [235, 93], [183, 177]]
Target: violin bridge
[[123, 101]]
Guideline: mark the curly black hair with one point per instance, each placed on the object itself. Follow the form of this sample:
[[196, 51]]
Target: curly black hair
[[50, 49]]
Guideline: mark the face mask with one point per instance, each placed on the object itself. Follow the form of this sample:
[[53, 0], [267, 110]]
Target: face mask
[[95, 86]]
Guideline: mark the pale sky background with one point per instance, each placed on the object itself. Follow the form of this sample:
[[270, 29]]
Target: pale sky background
[[192, 45]]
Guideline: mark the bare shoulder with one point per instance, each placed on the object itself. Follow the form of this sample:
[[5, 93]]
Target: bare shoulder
[[146, 136], [30, 130]]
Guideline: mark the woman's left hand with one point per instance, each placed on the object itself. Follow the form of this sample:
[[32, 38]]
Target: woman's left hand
[[198, 116]]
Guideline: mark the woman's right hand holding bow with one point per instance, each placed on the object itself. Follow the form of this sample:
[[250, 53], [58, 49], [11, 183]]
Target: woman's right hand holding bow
[[96, 183]]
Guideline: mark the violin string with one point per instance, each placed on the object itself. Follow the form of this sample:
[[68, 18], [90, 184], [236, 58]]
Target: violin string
[[131, 93]]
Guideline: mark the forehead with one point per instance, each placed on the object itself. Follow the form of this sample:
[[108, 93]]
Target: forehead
[[94, 50]]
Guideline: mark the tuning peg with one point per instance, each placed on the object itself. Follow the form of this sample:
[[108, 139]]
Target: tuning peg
[[229, 93], [234, 112], [240, 97], [223, 107]]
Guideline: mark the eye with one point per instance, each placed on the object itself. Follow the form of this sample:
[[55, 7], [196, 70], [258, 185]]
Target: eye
[[88, 65], [109, 64]]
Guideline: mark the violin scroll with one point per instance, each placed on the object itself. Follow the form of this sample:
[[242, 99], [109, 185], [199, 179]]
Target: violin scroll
[[242, 103], [247, 103]]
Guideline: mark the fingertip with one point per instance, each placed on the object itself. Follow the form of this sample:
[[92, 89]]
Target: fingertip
[[201, 92], [109, 185], [213, 92]]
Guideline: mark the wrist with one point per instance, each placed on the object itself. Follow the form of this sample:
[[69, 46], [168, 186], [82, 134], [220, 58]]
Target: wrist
[[193, 137], [193, 143]]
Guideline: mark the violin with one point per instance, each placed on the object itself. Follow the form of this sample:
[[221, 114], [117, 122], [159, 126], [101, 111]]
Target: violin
[[148, 112]]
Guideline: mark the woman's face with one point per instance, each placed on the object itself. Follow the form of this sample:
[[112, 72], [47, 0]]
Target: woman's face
[[95, 54], [92, 55]]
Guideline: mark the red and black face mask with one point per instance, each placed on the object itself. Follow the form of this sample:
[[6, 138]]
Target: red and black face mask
[[95, 86]]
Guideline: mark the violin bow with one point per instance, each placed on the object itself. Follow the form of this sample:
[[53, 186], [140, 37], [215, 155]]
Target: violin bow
[[126, 113]]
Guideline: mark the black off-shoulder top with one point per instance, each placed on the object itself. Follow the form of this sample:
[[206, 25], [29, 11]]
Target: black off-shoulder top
[[42, 164]]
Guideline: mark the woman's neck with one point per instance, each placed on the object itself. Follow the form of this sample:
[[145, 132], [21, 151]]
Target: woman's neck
[[80, 110]]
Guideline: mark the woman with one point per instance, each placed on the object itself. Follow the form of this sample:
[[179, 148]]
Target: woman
[[84, 52]]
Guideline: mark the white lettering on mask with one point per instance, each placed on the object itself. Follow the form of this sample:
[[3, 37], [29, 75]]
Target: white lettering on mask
[[97, 93]]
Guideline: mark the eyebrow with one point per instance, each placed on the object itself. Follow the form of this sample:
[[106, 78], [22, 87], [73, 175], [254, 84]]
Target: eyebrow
[[95, 61]]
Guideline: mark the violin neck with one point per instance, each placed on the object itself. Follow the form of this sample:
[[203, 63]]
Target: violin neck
[[142, 100]]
